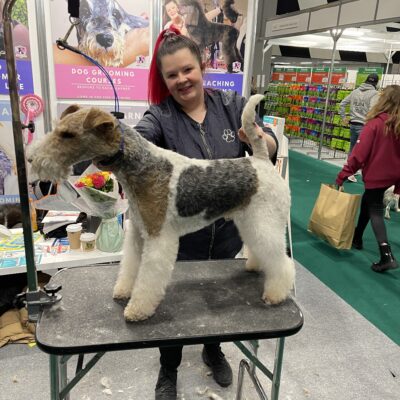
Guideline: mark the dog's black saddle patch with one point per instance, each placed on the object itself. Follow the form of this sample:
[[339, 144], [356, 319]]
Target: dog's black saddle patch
[[216, 189]]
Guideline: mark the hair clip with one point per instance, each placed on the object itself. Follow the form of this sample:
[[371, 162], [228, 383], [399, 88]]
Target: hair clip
[[169, 33]]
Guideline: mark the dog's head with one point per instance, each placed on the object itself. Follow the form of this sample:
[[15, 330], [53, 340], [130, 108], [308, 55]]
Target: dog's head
[[190, 10], [102, 30], [80, 134]]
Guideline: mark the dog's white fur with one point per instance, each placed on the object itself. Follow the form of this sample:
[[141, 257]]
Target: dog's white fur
[[391, 202], [157, 206]]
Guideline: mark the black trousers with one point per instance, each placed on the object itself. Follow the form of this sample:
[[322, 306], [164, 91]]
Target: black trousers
[[171, 357], [372, 209]]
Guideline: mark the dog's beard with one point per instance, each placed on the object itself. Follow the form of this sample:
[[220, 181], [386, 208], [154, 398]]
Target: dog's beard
[[110, 57]]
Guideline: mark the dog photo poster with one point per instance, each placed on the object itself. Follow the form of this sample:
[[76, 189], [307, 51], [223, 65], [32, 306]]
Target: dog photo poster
[[114, 33], [21, 49], [219, 28]]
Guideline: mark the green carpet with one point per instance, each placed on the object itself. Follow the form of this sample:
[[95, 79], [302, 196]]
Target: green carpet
[[346, 272]]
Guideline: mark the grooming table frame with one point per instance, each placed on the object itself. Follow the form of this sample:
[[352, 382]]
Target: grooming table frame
[[210, 301]]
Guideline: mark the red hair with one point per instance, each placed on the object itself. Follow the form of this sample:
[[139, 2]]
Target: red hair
[[157, 90]]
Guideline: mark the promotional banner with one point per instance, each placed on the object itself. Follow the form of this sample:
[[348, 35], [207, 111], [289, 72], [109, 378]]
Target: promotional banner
[[219, 29], [363, 73], [21, 50], [284, 74], [304, 75], [133, 114], [321, 75], [114, 33], [9, 192]]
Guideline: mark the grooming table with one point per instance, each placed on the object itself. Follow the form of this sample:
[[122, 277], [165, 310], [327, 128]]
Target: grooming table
[[210, 301]]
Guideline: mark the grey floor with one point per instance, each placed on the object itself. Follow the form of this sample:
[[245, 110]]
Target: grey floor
[[338, 355]]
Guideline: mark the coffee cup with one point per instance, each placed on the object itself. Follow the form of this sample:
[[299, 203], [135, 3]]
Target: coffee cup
[[88, 241], [74, 234]]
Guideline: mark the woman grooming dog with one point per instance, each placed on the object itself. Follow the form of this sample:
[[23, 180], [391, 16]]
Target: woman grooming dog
[[377, 153], [203, 124]]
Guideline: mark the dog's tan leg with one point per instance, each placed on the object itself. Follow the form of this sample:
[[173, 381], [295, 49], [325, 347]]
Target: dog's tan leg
[[131, 257], [158, 261]]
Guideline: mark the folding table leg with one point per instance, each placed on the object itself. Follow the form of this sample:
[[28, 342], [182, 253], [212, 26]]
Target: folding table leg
[[276, 379], [54, 377]]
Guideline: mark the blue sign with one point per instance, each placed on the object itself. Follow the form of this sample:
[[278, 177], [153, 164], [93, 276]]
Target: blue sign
[[224, 81], [24, 75]]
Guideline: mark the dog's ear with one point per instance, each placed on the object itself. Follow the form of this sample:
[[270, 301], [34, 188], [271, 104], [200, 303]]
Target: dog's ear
[[69, 110], [100, 120]]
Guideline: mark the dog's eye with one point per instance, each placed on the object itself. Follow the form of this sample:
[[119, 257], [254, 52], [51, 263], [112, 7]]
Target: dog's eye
[[116, 14], [67, 135]]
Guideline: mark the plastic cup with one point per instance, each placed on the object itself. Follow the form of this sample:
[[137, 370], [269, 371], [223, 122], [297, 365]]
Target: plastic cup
[[88, 241], [74, 234]]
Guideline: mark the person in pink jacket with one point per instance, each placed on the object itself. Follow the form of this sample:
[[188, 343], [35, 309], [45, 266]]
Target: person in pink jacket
[[377, 154]]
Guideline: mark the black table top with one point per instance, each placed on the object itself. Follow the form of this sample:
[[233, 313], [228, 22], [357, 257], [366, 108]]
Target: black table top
[[206, 301]]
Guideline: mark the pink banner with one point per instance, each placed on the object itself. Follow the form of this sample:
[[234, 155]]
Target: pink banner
[[86, 82]]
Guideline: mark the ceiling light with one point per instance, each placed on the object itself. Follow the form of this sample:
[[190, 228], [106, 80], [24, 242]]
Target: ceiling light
[[302, 43], [353, 32], [306, 62]]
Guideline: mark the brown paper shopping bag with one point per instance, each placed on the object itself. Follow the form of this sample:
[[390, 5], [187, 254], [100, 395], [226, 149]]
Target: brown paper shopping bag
[[333, 216]]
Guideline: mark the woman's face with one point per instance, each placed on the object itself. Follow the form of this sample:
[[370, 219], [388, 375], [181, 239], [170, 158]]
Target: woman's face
[[183, 76], [172, 9]]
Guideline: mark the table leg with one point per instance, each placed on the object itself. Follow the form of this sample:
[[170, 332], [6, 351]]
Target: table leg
[[54, 377], [276, 380], [64, 375]]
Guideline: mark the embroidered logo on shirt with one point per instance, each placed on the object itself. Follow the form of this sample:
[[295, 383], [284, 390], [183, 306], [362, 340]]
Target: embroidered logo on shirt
[[228, 135]]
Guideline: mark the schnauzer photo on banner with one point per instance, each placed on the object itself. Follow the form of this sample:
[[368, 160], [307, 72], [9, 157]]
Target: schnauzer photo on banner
[[114, 33], [219, 28], [21, 49]]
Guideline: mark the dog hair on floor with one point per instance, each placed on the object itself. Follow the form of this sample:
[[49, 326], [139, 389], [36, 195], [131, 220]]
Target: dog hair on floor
[[391, 201], [102, 28], [171, 195], [205, 33]]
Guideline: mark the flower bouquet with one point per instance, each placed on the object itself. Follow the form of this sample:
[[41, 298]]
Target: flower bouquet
[[99, 197]]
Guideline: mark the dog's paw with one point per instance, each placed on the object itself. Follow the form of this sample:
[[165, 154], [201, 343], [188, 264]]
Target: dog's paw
[[122, 291], [274, 297], [252, 265], [138, 311]]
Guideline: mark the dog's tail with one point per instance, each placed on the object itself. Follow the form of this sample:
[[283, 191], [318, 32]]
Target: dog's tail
[[258, 145]]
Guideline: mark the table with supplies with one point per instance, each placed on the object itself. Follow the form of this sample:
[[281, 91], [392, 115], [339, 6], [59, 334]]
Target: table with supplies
[[192, 312]]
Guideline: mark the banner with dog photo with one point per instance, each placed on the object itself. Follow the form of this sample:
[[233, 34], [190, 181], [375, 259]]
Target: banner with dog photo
[[21, 49], [114, 33], [219, 28]]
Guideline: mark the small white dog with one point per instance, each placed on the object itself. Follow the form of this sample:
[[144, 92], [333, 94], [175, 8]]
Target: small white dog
[[391, 202], [171, 195]]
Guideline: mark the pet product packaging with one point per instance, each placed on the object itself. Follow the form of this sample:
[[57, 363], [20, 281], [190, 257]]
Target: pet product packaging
[[333, 216], [88, 241], [74, 234]]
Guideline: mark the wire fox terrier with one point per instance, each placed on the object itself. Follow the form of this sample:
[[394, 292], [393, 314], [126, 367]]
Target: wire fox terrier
[[171, 195], [102, 28]]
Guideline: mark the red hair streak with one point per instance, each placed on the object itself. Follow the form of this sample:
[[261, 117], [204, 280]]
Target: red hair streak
[[157, 90]]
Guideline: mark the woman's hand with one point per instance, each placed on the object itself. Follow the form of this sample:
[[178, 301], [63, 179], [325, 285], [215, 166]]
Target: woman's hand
[[261, 134]]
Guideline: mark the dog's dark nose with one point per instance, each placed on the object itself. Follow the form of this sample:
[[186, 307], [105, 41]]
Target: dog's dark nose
[[105, 39]]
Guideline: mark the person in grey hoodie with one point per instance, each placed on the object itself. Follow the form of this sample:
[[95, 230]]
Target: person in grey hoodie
[[361, 101]]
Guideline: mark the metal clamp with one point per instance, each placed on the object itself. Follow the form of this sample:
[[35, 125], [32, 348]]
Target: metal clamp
[[36, 300]]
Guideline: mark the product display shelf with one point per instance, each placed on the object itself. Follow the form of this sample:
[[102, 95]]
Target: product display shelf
[[303, 107]]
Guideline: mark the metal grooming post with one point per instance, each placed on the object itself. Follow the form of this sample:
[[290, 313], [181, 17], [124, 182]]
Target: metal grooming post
[[18, 145], [335, 33], [35, 298], [389, 58]]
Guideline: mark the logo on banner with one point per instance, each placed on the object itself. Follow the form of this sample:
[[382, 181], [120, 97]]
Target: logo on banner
[[140, 59], [21, 52], [236, 66]]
